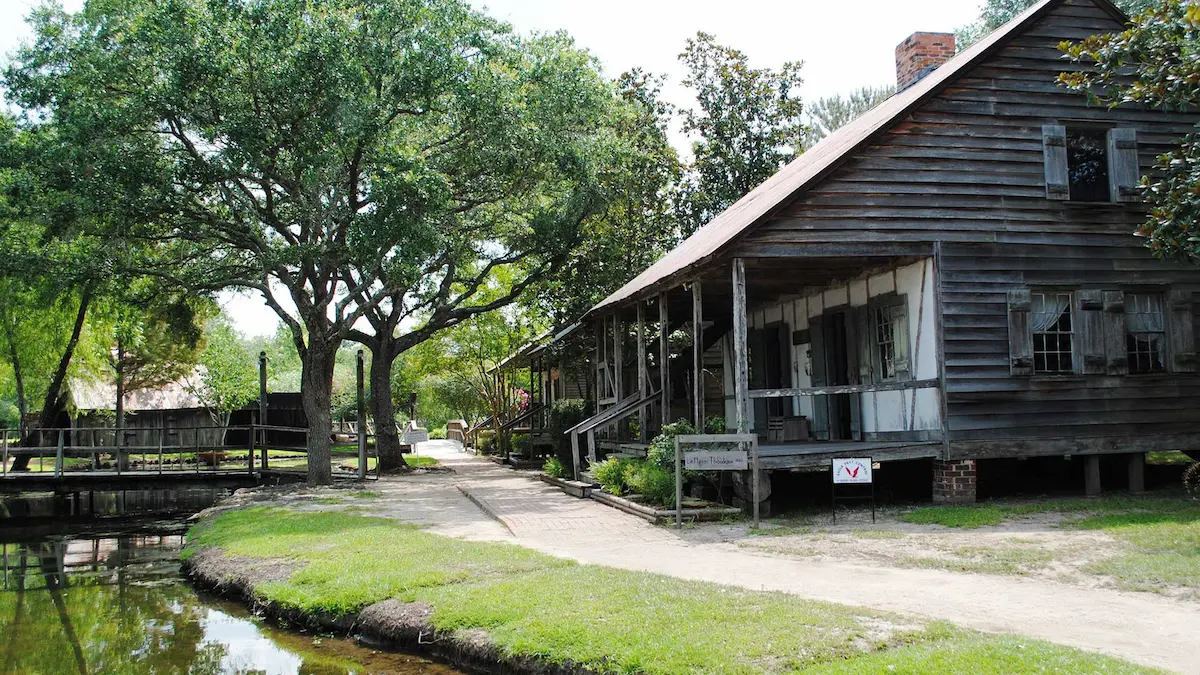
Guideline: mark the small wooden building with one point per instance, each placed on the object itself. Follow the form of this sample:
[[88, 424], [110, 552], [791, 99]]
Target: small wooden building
[[953, 276]]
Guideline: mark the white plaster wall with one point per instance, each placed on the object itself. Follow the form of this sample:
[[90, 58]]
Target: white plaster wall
[[881, 411]]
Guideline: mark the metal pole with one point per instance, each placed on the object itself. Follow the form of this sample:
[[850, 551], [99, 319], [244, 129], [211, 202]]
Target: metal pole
[[262, 402], [362, 418]]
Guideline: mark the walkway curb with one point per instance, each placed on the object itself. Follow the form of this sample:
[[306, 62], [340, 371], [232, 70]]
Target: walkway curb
[[484, 507]]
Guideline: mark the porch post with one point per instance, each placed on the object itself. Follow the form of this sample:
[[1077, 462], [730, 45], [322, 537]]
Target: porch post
[[618, 358], [601, 328], [697, 357], [664, 366], [643, 377], [741, 377]]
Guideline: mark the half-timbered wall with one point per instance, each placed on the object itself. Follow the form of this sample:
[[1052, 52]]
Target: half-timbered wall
[[968, 169], [882, 412]]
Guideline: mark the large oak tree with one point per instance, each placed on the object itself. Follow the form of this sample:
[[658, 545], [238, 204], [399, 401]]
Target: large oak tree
[[369, 162]]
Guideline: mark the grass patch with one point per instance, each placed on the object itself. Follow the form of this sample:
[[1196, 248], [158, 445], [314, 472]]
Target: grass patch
[[530, 605], [779, 530], [987, 560], [1173, 457], [364, 494], [879, 534], [983, 515], [327, 501], [1164, 547], [419, 461]]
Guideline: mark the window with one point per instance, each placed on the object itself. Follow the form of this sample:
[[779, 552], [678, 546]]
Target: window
[[1087, 164], [1144, 333], [890, 326], [1053, 332]]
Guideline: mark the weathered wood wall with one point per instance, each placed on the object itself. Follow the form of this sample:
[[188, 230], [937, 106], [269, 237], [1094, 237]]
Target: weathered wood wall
[[966, 169]]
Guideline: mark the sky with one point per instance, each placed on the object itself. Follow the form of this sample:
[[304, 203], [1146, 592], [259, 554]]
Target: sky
[[843, 47]]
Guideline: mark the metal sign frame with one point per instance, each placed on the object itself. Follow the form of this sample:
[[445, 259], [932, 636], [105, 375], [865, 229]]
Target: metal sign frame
[[852, 498], [714, 439]]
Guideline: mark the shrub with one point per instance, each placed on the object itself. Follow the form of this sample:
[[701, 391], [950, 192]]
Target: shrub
[[485, 442], [438, 434], [651, 481], [523, 444], [714, 425], [564, 414], [554, 468], [611, 474], [662, 448]]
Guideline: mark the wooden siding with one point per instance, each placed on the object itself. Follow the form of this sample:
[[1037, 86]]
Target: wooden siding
[[966, 169]]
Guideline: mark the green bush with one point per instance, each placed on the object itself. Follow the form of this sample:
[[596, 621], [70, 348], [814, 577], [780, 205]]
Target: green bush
[[565, 414], [651, 481], [714, 425], [662, 448], [485, 442], [554, 468], [611, 474], [438, 434], [523, 444]]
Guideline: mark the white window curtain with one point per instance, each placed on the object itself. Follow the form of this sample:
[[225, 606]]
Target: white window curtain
[[1047, 308], [1145, 315]]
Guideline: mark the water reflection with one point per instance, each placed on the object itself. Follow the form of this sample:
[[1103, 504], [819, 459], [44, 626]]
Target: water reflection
[[115, 603]]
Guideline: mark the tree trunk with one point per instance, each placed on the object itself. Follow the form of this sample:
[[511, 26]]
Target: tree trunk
[[387, 438], [316, 387], [54, 401]]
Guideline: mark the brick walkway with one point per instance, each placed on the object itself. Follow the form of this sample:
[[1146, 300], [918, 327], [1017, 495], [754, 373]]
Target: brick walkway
[[1140, 627]]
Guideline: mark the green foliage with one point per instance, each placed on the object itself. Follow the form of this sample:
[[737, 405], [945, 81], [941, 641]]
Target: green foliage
[[438, 433], [829, 114], [748, 124], [523, 444], [611, 474], [228, 379], [662, 447], [651, 481], [1161, 50], [554, 468], [995, 13], [528, 604], [714, 425], [486, 442]]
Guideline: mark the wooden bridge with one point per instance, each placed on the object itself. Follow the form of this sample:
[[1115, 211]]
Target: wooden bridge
[[80, 459]]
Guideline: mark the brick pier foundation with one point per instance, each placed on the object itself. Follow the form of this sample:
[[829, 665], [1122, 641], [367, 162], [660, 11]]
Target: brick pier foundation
[[954, 482]]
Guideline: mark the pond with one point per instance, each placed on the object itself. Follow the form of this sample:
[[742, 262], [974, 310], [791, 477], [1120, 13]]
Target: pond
[[91, 583]]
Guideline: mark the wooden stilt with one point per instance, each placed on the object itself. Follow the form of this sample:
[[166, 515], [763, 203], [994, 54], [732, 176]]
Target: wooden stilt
[[664, 358], [697, 357], [643, 376], [741, 376]]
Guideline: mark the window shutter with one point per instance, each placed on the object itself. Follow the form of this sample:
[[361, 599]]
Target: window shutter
[[1123, 172], [1054, 142], [1115, 349], [1020, 338], [866, 345], [900, 335], [820, 422], [1091, 313], [1181, 336]]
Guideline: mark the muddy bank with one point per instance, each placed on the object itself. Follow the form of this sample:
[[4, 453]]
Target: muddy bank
[[391, 624]]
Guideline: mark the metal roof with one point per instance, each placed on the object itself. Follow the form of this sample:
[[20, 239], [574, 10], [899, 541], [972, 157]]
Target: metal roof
[[811, 166]]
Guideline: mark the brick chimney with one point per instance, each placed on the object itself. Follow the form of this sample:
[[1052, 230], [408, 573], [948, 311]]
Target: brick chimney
[[919, 55]]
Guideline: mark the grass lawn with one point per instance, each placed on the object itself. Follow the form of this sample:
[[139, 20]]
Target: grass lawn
[[607, 619]]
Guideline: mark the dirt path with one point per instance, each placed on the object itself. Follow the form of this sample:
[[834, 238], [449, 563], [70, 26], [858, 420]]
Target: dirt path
[[1143, 628]]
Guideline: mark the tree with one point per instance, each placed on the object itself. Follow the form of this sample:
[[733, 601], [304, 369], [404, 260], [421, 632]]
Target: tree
[[995, 13], [341, 157], [828, 115], [227, 379], [1154, 63], [749, 123], [637, 223]]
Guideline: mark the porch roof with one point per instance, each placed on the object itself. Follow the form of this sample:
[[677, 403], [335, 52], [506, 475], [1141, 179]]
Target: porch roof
[[715, 237]]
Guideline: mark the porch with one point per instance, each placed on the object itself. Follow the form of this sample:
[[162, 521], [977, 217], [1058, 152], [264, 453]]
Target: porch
[[821, 356]]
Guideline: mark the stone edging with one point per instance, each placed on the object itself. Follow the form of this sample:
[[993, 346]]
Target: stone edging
[[574, 488], [661, 515]]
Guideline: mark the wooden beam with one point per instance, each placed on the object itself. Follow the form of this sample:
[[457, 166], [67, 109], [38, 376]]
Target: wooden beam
[[664, 358], [697, 357], [815, 250], [741, 361], [939, 316], [844, 389], [618, 358], [643, 376]]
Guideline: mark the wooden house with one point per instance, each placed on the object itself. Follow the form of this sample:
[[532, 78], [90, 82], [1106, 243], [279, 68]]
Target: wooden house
[[952, 277]]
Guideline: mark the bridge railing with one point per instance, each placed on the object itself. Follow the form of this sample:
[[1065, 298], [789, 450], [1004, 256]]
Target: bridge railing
[[197, 449]]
